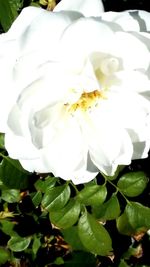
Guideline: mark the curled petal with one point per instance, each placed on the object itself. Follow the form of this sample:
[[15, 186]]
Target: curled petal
[[87, 8], [132, 20]]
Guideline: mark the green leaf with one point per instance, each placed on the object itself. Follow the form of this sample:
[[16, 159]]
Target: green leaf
[[138, 216], [43, 185], [15, 163], [2, 141], [36, 245], [92, 195], [123, 225], [67, 216], [13, 175], [72, 238], [8, 13], [93, 235], [123, 264], [109, 210], [59, 261], [134, 220], [4, 255], [7, 227], [37, 198], [56, 198], [132, 184], [17, 243], [11, 195], [2, 186]]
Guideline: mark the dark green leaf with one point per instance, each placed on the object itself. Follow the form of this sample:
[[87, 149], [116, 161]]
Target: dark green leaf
[[13, 175], [8, 13], [93, 235], [56, 198], [17, 243], [37, 198], [72, 238], [109, 210], [1, 141], [15, 163], [11, 195], [132, 184], [2, 186], [4, 255], [92, 195], [67, 216]]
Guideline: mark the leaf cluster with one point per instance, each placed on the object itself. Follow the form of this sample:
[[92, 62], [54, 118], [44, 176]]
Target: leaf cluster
[[44, 215]]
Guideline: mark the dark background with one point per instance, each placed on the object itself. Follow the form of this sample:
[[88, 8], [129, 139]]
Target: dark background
[[120, 5]]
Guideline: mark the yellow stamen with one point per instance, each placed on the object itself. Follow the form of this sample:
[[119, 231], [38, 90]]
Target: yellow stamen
[[86, 101]]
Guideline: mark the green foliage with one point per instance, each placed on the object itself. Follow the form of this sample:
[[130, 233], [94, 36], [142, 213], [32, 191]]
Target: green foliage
[[132, 184], [71, 236], [4, 255], [10, 9], [138, 216], [92, 195], [13, 175], [123, 264], [2, 141], [67, 216], [11, 195], [56, 197], [110, 210], [135, 219], [42, 186], [36, 245], [93, 235], [17, 243], [8, 13]]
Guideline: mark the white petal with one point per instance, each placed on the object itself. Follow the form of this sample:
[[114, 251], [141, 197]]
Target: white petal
[[34, 165], [109, 145], [21, 23], [146, 18], [87, 8], [132, 81], [17, 70], [132, 20], [82, 177], [66, 152], [98, 38], [20, 147], [131, 50], [50, 25], [124, 19], [141, 150]]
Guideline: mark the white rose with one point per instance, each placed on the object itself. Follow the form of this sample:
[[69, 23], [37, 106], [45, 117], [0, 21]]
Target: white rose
[[75, 94]]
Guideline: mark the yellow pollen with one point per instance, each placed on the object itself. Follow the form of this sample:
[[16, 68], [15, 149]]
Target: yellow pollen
[[86, 101]]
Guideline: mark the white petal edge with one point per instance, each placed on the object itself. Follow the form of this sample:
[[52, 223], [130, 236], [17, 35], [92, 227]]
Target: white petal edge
[[86, 7]]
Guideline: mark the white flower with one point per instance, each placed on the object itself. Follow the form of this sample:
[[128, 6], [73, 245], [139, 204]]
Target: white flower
[[75, 94]]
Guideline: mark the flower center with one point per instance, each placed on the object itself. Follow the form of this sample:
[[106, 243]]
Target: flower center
[[86, 101]]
